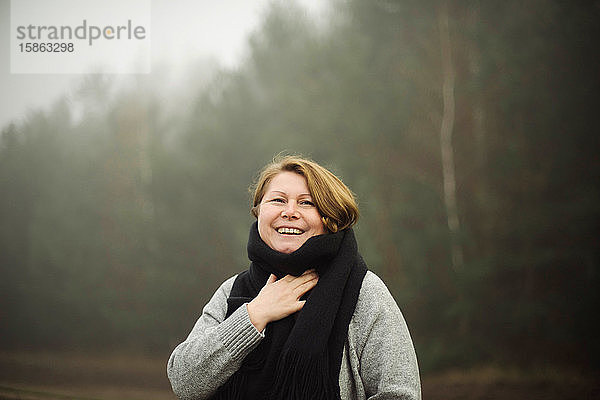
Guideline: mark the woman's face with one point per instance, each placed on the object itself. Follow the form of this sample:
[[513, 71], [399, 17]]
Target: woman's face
[[287, 216]]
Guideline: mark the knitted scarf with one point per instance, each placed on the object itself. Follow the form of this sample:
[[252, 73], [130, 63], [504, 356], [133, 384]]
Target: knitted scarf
[[300, 356]]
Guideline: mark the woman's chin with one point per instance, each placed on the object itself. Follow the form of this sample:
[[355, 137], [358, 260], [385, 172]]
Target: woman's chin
[[287, 249], [288, 246]]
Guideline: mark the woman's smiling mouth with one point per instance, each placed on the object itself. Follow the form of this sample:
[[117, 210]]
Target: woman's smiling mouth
[[289, 231]]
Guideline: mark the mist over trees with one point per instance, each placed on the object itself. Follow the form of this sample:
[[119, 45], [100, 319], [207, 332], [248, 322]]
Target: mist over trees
[[124, 206]]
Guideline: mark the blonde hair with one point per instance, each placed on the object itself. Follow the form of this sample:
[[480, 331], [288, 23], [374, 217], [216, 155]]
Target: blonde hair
[[334, 200]]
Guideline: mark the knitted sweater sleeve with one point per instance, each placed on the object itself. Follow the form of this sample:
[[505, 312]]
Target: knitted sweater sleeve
[[214, 349], [388, 362]]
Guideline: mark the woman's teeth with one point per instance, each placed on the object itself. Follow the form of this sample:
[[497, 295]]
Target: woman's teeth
[[290, 231]]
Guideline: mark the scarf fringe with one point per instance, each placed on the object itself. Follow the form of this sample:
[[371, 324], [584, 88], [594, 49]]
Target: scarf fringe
[[300, 377]]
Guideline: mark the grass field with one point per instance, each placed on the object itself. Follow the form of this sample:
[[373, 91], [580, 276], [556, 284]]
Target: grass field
[[69, 376]]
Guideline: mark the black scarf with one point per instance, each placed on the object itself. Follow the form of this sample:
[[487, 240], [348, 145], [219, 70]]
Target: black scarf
[[300, 356]]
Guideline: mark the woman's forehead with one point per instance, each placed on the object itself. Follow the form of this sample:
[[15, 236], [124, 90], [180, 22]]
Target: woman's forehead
[[288, 182]]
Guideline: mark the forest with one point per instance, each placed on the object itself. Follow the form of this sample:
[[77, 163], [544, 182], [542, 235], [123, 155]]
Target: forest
[[468, 131]]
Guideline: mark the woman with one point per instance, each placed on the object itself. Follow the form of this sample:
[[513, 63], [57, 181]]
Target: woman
[[307, 320]]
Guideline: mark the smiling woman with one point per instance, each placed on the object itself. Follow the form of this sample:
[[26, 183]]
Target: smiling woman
[[307, 320]]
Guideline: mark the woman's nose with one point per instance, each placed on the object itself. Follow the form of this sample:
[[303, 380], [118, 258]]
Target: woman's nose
[[290, 210]]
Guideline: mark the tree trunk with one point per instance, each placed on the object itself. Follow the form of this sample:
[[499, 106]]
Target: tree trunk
[[448, 170]]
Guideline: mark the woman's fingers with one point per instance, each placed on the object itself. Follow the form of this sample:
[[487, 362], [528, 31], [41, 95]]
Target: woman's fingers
[[291, 278], [304, 278], [296, 281], [303, 283], [280, 298], [300, 305], [306, 286]]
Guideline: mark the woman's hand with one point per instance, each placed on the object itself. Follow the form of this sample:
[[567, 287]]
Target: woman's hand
[[280, 298]]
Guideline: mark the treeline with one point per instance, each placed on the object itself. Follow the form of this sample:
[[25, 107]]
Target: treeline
[[125, 205]]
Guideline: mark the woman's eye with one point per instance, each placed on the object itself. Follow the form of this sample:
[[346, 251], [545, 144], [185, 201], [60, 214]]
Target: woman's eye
[[278, 200], [307, 203]]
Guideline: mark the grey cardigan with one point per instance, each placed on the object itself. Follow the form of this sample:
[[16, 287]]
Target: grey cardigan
[[378, 361]]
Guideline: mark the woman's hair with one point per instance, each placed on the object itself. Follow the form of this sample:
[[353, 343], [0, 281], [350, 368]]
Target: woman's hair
[[334, 201]]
